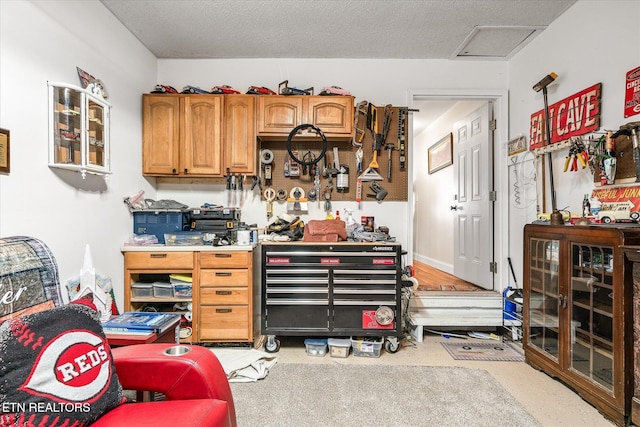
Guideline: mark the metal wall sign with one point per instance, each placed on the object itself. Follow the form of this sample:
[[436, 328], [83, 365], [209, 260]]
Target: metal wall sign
[[632, 93], [575, 115]]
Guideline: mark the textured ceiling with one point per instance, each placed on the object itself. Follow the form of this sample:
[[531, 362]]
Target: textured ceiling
[[438, 29]]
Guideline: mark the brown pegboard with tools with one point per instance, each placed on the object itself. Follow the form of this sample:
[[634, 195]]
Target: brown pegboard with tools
[[396, 187], [626, 153]]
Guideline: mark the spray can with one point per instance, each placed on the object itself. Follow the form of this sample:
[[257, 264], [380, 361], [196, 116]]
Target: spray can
[[342, 181]]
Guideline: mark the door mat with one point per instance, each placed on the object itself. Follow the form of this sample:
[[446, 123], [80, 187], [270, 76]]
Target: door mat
[[494, 351]]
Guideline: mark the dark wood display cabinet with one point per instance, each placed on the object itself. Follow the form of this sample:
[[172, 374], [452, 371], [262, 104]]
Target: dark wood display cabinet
[[578, 318]]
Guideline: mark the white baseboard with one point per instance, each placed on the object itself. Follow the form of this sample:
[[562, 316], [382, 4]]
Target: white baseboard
[[447, 268]]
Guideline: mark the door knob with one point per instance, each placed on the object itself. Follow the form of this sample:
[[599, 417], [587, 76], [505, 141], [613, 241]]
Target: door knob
[[455, 208]]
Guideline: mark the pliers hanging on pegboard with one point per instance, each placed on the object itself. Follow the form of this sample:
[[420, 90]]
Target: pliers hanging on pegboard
[[577, 152]]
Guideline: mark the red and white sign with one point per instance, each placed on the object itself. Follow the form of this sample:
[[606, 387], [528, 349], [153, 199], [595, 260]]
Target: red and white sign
[[576, 115], [329, 260], [272, 261], [632, 93], [618, 195], [383, 261]]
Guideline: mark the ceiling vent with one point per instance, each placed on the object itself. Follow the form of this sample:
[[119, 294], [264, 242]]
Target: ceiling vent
[[499, 43]]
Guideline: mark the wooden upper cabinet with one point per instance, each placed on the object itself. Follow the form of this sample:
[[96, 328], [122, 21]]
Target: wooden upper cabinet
[[240, 134], [201, 135], [331, 114], [279, 114], [160, 134], [182, 135]]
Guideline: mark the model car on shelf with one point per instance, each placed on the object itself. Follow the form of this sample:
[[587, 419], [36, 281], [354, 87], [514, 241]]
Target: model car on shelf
[[224, 89]]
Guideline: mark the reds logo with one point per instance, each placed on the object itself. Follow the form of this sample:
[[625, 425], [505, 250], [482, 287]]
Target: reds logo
[[80, 364]]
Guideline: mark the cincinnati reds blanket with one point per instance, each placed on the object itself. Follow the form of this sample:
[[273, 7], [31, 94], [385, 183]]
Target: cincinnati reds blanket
[[56, 369]]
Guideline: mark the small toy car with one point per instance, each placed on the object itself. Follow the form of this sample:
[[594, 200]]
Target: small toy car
[[260, 90], [284, 89], [223, 89], [334, 90], [546, 216], [164, 89], [193, 89]]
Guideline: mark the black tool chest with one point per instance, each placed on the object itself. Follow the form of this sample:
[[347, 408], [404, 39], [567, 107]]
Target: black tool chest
[[330, 289]]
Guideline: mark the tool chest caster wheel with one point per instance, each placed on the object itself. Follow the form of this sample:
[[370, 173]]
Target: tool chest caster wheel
[[272, 345], [392, 345]]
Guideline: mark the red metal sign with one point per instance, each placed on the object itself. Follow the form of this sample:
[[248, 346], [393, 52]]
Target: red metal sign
[[632, 93], [576, 115]]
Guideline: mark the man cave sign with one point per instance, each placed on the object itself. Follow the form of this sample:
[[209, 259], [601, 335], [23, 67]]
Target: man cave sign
[[56, 369]]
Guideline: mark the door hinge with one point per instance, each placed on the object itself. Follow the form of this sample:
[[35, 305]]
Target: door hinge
[[493, 267], [493, 196], [493, 124]]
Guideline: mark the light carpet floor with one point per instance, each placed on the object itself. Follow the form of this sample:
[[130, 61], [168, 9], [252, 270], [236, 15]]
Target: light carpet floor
[[377, 395]]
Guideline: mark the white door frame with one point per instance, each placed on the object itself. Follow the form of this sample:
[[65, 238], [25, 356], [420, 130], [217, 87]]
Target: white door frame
[[500, 99]]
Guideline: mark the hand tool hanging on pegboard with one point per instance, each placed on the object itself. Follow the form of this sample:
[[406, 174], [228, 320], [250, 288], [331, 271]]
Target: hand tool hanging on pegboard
[[402, 137]]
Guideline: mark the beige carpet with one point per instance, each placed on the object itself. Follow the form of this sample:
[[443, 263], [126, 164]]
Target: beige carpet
[[376, 395]]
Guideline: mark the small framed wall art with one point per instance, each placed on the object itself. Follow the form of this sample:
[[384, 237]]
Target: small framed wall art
[[440, 154], [5, 158]]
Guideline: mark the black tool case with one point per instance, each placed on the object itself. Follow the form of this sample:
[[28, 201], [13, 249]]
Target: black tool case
[[331, 289]]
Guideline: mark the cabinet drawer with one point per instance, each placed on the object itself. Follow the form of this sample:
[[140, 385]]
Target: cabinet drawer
[[224, 278], [225, 259], [228, 296], [161, 260], [224, 323]]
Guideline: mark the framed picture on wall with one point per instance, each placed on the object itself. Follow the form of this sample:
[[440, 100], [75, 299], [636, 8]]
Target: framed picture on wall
[[440, 154], [5, 166]]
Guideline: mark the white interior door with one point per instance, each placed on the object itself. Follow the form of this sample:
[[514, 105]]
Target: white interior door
[[473, 207]]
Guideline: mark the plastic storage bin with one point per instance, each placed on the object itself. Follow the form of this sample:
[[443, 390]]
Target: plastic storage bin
[[159, 223], [339, 347], [182, 291], [141, 290], [184, 238], [162, 290], [316, 346], [367, 347]]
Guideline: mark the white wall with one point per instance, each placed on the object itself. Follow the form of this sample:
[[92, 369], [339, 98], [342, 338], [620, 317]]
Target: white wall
[[593, 42], [377, 81], [45, 41]]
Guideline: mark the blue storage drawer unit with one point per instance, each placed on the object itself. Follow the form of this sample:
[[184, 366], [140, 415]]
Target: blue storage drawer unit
[[159, 222]]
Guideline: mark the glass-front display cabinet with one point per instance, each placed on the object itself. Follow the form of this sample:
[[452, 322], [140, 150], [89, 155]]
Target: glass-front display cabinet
[[578, 318], [78, 130]]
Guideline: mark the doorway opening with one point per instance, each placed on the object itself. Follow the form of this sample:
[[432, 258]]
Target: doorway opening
[[434, 196]]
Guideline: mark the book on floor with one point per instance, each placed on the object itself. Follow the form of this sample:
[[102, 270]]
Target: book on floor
[[141, 322]]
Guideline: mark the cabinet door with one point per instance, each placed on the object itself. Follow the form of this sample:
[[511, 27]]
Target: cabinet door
[[331, 114], [542, 331], [160, 134], [279, 114], [240, 134], [201, 135], [592, 314]]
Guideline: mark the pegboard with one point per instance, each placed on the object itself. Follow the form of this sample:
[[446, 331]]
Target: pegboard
[[625, 166], [397, 186]]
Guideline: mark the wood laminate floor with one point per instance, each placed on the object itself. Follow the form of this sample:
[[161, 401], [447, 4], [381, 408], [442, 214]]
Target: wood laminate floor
[[432, 279]]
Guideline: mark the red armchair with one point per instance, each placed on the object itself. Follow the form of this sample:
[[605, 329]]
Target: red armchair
[[193, 381]]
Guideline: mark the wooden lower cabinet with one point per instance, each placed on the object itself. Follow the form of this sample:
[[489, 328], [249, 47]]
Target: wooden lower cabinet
[[578, 317], [222, 290]]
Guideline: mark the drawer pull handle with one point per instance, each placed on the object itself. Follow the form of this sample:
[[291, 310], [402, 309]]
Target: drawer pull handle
[[223, 292], [223, 273], [223, 255], [224, 310], [158, 255]]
